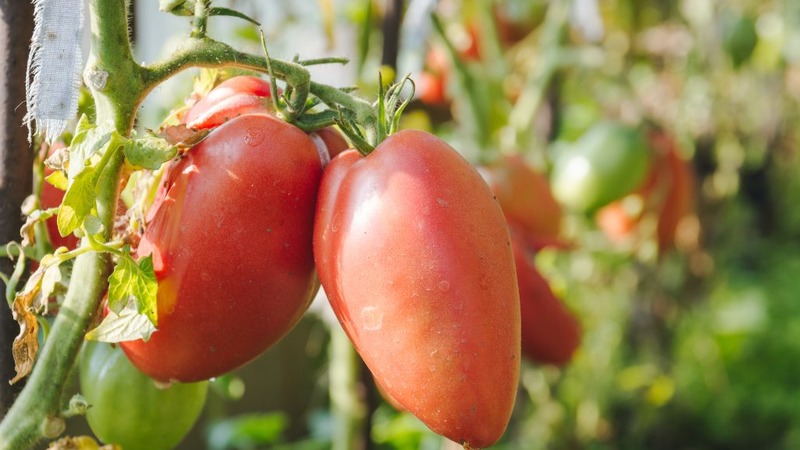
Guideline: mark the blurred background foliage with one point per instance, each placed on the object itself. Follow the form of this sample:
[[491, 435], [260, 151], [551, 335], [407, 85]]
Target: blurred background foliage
[[690, 346]]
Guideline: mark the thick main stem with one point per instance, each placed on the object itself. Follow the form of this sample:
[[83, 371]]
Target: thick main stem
[[112, 76], [347, 405]]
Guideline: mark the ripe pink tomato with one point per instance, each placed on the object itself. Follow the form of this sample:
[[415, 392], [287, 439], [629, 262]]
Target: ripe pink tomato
[[231, 98], [231, 238], [414, 255]]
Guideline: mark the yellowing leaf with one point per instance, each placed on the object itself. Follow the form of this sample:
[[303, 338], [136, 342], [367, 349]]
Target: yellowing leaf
[[26, 344]]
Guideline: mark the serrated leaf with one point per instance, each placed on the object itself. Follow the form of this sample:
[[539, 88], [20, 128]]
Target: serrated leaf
[[137, 281], [58, 180], [77, 203], [149, 152], [90, 142], [128, 325]]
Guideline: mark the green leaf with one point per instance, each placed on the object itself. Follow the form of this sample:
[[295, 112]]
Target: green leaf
[[218, 11], [128, 325], [177, 7], [149, 152], [130, 280], [58, 180], [77, 203], [51, 278], [86, 144], [247, 431]]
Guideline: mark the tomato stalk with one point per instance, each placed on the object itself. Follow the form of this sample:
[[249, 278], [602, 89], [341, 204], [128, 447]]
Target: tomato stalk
[[36, 414], [538, 80]]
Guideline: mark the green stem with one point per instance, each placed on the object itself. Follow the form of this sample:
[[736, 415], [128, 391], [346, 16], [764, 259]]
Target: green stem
[[475, 109], [538, 81], [205, 52], [112, 75], [201, 12], [33, 415], [347, 406]]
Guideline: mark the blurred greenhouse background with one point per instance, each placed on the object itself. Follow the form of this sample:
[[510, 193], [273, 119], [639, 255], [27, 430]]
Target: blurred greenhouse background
[[692, 344]]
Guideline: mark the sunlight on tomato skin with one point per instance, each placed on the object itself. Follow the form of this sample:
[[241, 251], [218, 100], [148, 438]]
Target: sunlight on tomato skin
[[414, 255], [234, 97], [231, 244]]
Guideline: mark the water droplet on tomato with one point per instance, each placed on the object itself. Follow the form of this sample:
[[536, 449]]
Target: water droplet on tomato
[[444, 285], [254, 136], [372, 318]]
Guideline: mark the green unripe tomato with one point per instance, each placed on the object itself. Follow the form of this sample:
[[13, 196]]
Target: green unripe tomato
[[128, 408], [739, 37], [608, 162]]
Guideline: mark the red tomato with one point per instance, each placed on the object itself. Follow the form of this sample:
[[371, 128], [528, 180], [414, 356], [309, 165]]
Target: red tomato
[[231, 98], [250, 95], [525, 196], [679, 202], [333, 141], [231, 239], [414, 255], [550, 332], [51, 198]]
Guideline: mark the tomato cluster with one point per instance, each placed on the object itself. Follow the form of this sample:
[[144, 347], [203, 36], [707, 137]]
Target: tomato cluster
[[419, 254]]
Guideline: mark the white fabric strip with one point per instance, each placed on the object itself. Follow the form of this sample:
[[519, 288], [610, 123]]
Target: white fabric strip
[[54, 66]]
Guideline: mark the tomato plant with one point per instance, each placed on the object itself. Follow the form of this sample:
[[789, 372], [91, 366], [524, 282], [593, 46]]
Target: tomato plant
[[414, 255], [608, 162], [127, 408], [230, 237]]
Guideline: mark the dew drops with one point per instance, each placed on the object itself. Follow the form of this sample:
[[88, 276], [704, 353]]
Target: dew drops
[[253, 136], [372, 318], [444, 285]]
